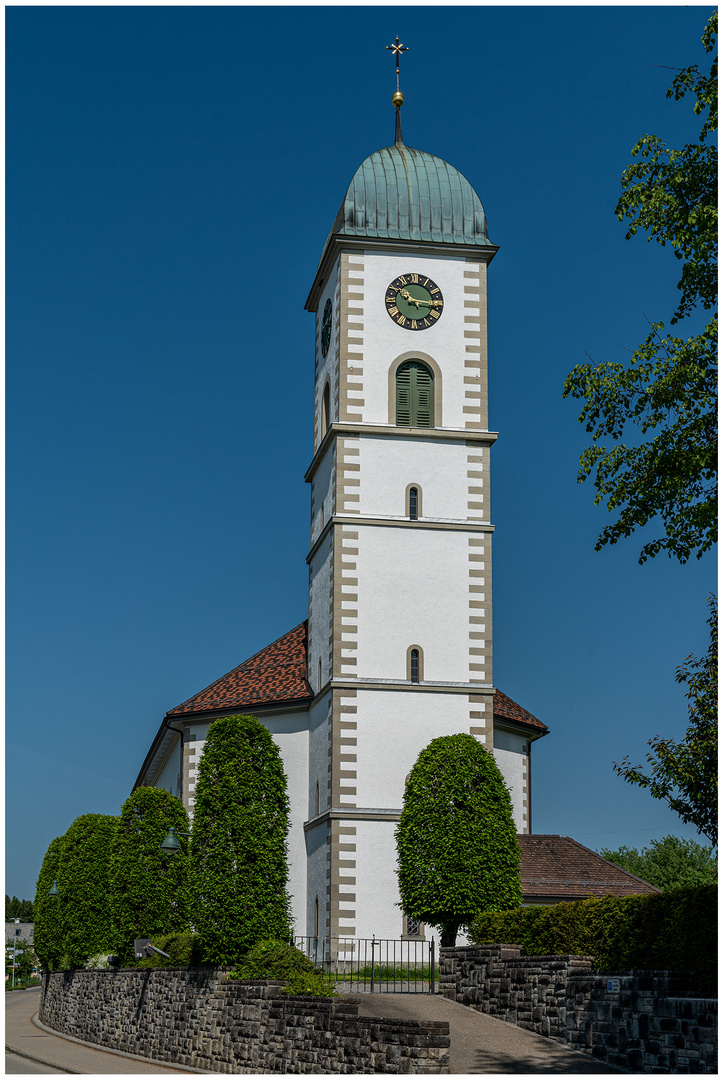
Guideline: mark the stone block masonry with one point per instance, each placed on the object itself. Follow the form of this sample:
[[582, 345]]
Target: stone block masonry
[[202, 1019], [638, 1021]]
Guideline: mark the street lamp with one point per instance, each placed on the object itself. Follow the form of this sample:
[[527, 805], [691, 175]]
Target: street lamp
[[170, 844]]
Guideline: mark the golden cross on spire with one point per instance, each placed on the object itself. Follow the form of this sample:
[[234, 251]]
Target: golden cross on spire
[[397, 49]]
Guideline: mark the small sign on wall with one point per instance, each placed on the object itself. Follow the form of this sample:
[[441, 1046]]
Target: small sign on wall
[[613, 986]]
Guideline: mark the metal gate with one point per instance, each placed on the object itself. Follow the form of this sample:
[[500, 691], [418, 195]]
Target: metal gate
[[373, 965]]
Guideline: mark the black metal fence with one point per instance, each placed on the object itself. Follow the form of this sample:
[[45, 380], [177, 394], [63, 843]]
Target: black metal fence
[[374, 965]]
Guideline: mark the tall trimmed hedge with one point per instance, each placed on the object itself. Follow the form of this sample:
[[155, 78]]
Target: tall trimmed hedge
[[238, 871], [47, 934], [456, 839], [84, 884], [148, 887], [675, 931]]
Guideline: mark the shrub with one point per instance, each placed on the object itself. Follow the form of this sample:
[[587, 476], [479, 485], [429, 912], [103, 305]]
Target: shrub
[[279, 960], [456, 838], [47, 934], [238, 871], [148, 886], [184, 950], [675, 931], [83, 881]]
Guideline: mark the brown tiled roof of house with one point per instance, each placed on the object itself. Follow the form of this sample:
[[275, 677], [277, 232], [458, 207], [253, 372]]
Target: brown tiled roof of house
[[277, 675], [556, 868]]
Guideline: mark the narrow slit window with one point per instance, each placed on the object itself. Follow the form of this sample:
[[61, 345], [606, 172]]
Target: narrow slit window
[[413, 504], [414, 665], [319, 685]]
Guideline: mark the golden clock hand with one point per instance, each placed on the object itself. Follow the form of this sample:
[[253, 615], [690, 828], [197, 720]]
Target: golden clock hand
[[418, 300]]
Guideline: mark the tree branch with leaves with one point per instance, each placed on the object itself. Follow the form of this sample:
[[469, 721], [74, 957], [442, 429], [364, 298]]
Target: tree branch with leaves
[[667, 389]]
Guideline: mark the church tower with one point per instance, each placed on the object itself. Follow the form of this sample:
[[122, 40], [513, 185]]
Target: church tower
[[397, 649], [400, 600]]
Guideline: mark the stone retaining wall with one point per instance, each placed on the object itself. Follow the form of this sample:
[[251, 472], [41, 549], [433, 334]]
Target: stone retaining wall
[[199, 1018], [647, 1021]]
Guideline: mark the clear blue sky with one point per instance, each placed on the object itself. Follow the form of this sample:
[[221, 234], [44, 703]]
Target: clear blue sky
[[168, 169]]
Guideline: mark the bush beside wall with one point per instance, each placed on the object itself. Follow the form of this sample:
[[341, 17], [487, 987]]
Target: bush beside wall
[[676, 931]]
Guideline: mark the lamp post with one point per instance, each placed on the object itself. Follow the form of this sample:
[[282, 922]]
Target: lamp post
[[15, 948]]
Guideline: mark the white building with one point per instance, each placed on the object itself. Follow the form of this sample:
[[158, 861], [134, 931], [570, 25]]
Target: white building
[[397, 649]]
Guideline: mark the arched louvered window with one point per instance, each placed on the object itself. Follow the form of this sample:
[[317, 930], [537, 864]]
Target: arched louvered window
[[413, 504], [415, 395]]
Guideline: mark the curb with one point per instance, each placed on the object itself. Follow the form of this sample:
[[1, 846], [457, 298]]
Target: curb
[[38, 1061]]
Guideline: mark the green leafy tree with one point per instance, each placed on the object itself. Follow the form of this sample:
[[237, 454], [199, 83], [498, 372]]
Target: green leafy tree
[[238, 871], [457, 847], [84, 883], [48, 933], [670, 863], [685, 774], [148, 887], [667, 389]]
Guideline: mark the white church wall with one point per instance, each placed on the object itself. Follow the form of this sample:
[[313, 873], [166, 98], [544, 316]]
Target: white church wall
[[397, 726], [319, 619], [327, 366], [316, 861], [413, 590], [445, 342], [388, 465], [322, 489], [169, 776], [377, 889], [318, 755], [510, 752], [291, 734]]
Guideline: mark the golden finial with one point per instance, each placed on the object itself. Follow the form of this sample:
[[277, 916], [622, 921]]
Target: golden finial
[[398, 97]]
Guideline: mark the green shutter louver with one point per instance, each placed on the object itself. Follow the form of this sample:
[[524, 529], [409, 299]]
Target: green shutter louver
[[415, 395], [404, 395]]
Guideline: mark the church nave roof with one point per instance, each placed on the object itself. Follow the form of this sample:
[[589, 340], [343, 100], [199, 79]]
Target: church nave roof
[[276, 675]]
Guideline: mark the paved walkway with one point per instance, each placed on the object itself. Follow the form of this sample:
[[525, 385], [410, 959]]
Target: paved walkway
[[479, 1043]]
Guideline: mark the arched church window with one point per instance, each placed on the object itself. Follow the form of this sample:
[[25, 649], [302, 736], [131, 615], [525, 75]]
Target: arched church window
[[415, 664], [325, 410], [415, 395], [413, 503]]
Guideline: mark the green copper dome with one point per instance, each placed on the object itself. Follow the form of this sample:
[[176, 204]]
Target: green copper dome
[[404, 194]]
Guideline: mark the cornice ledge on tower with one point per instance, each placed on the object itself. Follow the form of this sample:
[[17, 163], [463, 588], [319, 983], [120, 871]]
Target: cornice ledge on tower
[[398, 522], [340, 242], [339, 427]]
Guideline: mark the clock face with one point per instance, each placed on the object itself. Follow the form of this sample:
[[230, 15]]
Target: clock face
[[326, 329], [414, 301]]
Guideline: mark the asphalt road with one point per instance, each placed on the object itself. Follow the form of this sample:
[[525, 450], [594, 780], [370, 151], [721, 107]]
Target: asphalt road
[[40, 1051]]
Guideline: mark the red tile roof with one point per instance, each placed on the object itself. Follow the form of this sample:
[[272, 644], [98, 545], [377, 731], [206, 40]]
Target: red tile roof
[[277, 675], [555, 868], [507, 709]]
